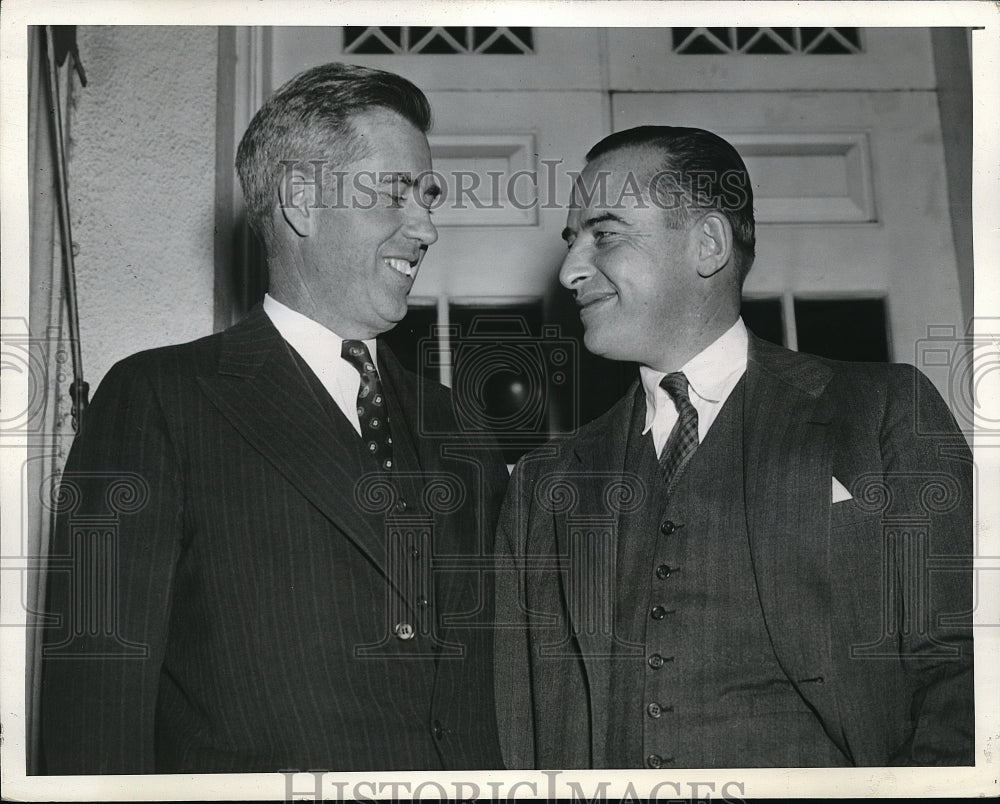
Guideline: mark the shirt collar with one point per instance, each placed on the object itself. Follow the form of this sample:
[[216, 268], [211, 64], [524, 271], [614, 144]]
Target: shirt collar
[[309, 338], [709, 372]]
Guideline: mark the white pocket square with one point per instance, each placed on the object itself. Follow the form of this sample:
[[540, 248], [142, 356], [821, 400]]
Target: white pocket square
[[840, 492]]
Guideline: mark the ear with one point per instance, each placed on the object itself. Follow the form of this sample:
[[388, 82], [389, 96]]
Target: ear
[[295, 202], [714, 239]]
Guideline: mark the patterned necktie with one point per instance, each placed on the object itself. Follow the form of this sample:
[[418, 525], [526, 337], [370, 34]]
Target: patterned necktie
[[683, 440], [373, 413]]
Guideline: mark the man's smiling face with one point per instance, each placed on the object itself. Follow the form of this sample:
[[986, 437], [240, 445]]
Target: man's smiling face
[[633, 272], [366, 248]]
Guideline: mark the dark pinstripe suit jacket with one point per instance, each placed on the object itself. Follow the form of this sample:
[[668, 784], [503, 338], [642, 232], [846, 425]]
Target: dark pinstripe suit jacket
[[867, 602], [217, 574]]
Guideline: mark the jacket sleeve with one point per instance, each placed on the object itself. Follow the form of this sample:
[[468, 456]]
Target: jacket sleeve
[[512, 647], [928, 464], [115, 544]]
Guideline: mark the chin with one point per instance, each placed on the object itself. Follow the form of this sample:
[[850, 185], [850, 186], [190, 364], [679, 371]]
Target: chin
[[603, 344]]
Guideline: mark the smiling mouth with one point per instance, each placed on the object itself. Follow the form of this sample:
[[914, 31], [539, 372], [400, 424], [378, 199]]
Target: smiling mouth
[[592, 301], [401, 266]]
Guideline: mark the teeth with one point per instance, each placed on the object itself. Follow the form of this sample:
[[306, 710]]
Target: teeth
[[402, 266]]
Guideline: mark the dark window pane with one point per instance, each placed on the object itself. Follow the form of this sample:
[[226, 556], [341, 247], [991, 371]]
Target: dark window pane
[[763, 319], [724, 35], [844, 329], [352, 33], [852, 35], [502, 46], [416, 34], [766, 45], [701, 46], [809, 35], [505, 373], [404, 339], [460, 35], [372, 46], [438, 45], [678, 35], [526, 35]]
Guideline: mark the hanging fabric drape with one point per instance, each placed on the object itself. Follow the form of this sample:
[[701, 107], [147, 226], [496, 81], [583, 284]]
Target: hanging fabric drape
[[51, 334], [60, 44]]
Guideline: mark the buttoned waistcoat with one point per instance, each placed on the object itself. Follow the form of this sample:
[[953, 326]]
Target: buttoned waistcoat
[[870, 595]]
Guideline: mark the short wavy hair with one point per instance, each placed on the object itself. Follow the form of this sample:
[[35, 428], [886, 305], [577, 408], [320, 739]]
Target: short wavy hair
[[309, 119]]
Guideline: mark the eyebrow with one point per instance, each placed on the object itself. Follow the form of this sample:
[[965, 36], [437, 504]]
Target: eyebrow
[[406, 179], [595, 221]]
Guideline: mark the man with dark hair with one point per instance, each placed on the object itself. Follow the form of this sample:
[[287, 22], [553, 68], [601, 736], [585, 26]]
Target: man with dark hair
[[730, 567], [278, 521]]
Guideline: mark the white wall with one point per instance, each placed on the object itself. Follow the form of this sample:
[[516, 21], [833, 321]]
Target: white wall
[[141, 174]]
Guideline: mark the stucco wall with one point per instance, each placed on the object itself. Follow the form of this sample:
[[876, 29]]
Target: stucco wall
[[141, 172]]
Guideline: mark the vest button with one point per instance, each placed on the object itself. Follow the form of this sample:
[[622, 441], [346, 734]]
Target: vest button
[[400, 506], [663, 571], [654, 710], [422, 602], [658, 613], [656, 661], [667, 527], [654, 761], [438, 730]]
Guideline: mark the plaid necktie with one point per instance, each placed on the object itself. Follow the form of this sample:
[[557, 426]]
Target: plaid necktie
[[683, 440], [373, 413]]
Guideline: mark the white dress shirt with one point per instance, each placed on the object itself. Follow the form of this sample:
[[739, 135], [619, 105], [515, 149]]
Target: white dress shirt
[[321, 348], [712, 374]]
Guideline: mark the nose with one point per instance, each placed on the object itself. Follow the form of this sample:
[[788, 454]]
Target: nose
[[419, 225], [576, 267]]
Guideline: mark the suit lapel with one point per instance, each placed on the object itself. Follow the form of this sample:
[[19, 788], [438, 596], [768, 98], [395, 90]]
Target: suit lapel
[[595, 464], [261, 390], [787, 477]]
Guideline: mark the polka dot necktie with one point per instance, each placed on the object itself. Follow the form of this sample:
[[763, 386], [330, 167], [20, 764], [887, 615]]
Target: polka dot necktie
[[683, 439], [373, 413]]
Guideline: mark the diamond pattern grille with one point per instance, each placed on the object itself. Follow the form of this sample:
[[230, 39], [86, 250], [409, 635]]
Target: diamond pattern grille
[[438, 40], [766, 41]]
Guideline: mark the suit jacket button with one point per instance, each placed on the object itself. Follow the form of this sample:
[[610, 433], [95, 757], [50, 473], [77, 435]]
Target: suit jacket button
[[667, 527], [654, 761], [403, 630], [438, 730]]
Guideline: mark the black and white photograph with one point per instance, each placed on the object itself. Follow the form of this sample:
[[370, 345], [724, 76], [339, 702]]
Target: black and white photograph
[[592, 401]]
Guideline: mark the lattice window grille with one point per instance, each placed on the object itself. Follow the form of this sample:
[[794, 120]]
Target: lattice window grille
[[438, 40], [766, 41]]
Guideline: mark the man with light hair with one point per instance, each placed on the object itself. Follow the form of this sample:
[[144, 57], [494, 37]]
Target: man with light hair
[[279, 605]]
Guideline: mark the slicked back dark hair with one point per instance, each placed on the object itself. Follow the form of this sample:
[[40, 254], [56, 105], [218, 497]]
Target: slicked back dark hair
[[695, 171], [309, 119]]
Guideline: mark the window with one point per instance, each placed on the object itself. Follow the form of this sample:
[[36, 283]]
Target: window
[[841, 329], [438, 40], [766, 41]]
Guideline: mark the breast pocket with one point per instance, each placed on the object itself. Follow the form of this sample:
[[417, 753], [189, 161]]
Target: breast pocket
[[849, 513]]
